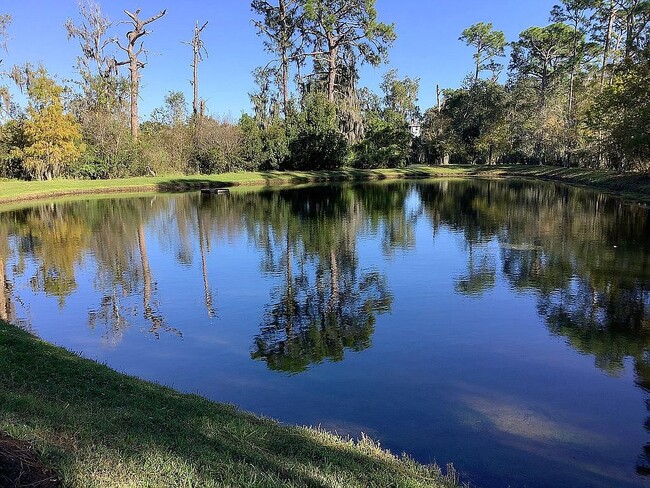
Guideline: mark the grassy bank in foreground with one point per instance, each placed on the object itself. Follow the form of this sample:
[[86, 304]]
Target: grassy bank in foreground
[[97, 427], [633, 186]]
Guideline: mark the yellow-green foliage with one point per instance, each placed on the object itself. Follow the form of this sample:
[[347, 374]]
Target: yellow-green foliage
[[53, 137]]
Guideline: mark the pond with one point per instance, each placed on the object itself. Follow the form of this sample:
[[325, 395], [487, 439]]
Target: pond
[[503, 326]]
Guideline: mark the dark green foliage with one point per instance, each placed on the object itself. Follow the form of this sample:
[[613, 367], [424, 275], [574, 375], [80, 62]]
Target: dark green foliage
[[387, 144], [317, 143], [623, 113], [12, 137], [471, 127], [266, 147]]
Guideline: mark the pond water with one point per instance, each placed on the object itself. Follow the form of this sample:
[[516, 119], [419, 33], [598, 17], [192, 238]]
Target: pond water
[[500, 325]]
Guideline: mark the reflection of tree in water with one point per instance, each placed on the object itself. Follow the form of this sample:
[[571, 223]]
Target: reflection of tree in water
[[611, 323], [59, 237], [325, 303], [8, 298], [585, 256], [318, 319], [123, 269], [481, 272], [556, 242]]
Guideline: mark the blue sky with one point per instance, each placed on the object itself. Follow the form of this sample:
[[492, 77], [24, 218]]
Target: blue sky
[[427, 46]]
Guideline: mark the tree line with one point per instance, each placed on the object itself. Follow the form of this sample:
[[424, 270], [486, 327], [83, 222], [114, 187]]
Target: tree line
[[575, 94]]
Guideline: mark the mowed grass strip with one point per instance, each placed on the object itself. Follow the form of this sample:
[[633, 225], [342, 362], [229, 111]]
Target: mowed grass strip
[[99, 428], [632, 186], [17, 190]]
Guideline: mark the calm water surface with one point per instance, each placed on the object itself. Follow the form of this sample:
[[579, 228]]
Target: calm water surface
[[501, 326]]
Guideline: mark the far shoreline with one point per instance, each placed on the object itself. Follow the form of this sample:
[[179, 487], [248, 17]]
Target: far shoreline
[[634, 187]]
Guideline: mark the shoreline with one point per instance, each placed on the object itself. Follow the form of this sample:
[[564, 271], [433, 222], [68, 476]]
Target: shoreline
[[90, 425], [634, 187]]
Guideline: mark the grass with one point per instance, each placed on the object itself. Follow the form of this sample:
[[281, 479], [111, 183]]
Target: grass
[[97, 427], [16, 190], [632, 186]]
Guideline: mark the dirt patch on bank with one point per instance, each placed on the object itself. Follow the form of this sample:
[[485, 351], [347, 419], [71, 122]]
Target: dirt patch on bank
[[20, 466]]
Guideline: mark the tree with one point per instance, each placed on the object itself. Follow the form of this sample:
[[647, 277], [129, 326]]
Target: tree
[[388, 141], [489, 44], [53, 138], [318, 144], [198, 49], [5, 99], [542, 53], [133, 52], [635, 15], [623, 114], [575, 12], [344, 32], [474, 121], [279, 25], [603, 31], [91, 33], [101, 107], [173, 112], [401, 95]]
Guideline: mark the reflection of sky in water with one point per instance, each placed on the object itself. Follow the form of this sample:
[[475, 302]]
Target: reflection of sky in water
[[461, 367]]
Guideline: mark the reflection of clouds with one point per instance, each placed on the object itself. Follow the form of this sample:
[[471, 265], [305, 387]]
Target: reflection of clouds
[[606, 472], [521, 421], [544, 439]]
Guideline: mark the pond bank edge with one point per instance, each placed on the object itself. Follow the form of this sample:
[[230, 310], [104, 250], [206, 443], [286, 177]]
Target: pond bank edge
[[633, 187], [97, 427]]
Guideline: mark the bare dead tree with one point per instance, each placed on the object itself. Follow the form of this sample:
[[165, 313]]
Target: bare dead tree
[[5, 98], [5, 20], [22, 76], [133, 51], [91, 34], [198, 48]]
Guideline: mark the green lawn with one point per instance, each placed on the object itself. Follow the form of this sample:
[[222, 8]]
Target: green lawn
[[13, 190], [634, 186], [97, 427]]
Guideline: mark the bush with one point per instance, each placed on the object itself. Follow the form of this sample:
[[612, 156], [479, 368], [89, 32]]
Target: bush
[[387, 145], [218, 147], [264, 147], [317, 143]]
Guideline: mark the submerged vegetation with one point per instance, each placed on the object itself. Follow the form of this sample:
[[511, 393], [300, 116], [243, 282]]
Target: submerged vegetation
[[575, 95]]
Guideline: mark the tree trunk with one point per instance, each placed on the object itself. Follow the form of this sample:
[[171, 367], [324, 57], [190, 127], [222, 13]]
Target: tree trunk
[[608, 41], [195, 84], [331, 73], [629, 34], [135, 90], [573, 71], [285, 58], [146, 272], [4, 309]]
